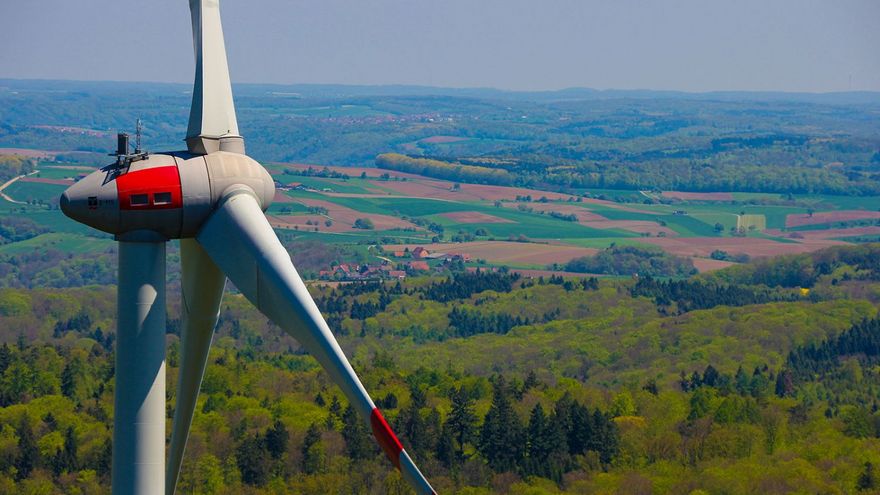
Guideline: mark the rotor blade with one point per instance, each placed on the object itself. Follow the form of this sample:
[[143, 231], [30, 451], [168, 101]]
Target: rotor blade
[[212, 122], [202, 285], [240, 240]]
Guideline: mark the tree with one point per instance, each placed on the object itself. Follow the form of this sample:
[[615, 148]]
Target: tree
[[784, 383], [276, 440], [445, 449], [546, 445], [253, 461], [68, 381], [5, 357], [69, 453], [461, 421], [501, 438], [312, 451], [363, 223], [412, 427], [357, 441], [28, 453], [867, 480]]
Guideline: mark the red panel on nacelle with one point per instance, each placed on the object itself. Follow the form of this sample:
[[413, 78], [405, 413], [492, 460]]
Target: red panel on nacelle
[[155, 188]]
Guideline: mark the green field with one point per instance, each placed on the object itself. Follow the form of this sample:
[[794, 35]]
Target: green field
[[49, 172], [34, 191], [69, 243]]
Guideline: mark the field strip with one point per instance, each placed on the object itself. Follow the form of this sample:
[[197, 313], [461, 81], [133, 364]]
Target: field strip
[[9, 183]]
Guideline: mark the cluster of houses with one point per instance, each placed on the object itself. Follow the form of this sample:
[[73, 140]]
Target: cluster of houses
[[366, 271], [394, 269]]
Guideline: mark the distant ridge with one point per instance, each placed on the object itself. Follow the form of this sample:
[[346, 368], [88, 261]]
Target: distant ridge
[[342, 90]]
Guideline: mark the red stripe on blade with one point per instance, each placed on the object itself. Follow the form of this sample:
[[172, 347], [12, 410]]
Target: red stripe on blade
[[386, 438]]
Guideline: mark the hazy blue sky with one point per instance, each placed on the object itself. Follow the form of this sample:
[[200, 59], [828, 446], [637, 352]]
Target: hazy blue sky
[[692, 45]]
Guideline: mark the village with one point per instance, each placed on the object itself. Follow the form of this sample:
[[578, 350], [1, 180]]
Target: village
[[397, 265]]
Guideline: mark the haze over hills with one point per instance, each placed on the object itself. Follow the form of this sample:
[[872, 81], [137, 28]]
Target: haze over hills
[[343, 90]]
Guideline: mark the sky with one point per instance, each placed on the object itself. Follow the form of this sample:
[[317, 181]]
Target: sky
[[686, 45]]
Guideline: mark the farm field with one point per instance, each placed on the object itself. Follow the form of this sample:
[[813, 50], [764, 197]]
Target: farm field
[[397, 209]]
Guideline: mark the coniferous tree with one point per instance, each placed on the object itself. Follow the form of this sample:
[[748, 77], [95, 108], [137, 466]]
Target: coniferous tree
[[335, 407], [784, 383], [411, 426], [444, 451], [432, 431], [502, 438], [68, 381], [357, 441], [105, 458], [253, 460], [866, 479], [28, 453], [276, 440], [539, 444], [461, 422], [312, 451], [69, 453], [5, 357]]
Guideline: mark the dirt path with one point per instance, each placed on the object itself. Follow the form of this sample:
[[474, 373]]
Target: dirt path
[[9, 183]]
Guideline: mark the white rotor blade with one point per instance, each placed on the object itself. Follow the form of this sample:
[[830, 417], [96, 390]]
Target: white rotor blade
[[212, 115], [202, 285], [240, 240]]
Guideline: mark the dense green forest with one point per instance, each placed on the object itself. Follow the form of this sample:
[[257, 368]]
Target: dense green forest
[[738, 381], [783, 143]]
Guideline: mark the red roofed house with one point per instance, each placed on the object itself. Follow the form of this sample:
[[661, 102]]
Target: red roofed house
[[420, 253]]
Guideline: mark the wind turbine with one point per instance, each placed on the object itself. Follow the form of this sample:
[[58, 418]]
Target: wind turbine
[[211, 197]]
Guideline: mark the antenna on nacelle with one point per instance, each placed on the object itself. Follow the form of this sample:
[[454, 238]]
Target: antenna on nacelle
[[137, 143]]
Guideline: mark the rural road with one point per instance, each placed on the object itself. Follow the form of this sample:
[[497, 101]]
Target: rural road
[[9, 183]]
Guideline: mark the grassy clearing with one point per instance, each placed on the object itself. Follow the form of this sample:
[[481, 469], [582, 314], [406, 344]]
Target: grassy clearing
[[69, 243], [686, 225], [287, 209], [34, 191], [353, 185], [57, 173]]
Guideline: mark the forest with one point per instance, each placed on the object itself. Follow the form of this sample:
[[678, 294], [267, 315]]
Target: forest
[[760, 378]]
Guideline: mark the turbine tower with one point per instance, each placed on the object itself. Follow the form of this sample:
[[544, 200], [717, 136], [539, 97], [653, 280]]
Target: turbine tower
[[212, 197]]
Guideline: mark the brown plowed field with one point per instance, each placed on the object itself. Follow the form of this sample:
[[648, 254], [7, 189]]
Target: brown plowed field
[[708, 264], [825, 234], [752, 246], [343, 218], [697, 196], [508, 252], [829, 217], [60, 182], [280, 197], [474, 217]]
